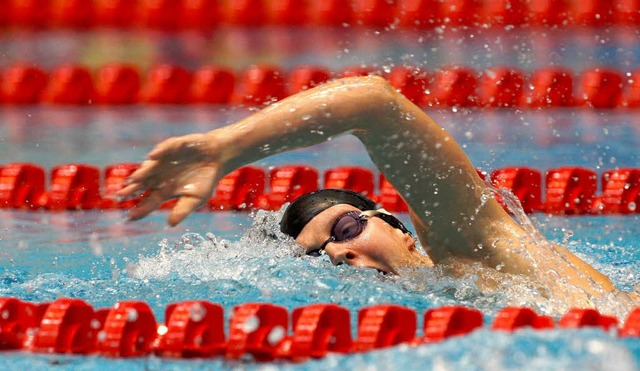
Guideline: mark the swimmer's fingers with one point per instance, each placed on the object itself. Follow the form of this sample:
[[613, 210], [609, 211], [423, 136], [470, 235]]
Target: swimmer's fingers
[[185, 206], [143, 178], [129, 191], [150, 202], [194, 193], [165, 148], [144, 174]]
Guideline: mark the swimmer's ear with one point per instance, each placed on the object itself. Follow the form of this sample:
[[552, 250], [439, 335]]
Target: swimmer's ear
[[407, 238]]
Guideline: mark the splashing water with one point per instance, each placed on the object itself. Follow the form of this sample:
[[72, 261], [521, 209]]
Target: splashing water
[[266, 265], [565, 295]]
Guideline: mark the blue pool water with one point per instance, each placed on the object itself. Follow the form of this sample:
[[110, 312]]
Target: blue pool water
[[233, 258]]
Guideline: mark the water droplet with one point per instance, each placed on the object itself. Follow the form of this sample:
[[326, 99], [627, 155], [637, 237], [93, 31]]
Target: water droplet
[[132, 315], [198, 340], [162, 330], [95, 324], [95, 245], [275, 335], [197, 312], [251, 324]]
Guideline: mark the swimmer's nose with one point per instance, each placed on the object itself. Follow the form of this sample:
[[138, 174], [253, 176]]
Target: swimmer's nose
[[340, 255]]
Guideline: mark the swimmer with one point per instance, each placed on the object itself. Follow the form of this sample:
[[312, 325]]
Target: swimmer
[[456, 220]]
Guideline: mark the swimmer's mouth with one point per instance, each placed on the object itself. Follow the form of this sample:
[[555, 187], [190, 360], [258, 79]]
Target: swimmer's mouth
[[379, 270]]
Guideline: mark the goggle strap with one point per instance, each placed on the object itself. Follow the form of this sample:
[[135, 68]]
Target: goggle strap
[[371, 213]]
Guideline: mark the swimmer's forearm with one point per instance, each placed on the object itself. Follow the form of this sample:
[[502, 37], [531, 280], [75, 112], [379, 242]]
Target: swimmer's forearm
[[305, 119]]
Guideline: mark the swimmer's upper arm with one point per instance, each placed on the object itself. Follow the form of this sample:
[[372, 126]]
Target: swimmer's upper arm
[[451, 206]]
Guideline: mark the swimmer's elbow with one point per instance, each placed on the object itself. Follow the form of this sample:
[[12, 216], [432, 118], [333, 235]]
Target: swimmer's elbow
[[364, 102], [382, 90], [377, 94]]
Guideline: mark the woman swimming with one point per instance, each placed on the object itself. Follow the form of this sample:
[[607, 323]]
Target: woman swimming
[[456, 219]]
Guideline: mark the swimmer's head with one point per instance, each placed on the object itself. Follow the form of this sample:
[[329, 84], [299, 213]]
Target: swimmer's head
[[351, 229], [306, 207]]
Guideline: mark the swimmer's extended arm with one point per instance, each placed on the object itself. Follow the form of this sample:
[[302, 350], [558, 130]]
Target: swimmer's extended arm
[[413, 152], [452, 209]]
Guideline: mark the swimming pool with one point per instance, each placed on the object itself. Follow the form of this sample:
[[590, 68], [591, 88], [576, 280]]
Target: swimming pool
[[98, 257]]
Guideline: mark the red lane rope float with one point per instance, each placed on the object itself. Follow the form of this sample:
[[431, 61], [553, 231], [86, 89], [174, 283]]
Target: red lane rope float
[[129, 330], [448, 86], [513, 318], [383, 326], [175, 15], [67, 326], [566, 190], [192, 329], [445, 322], [258, 331]]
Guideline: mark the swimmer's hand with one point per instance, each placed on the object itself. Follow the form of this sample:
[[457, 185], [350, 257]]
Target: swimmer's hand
[[183, 167]]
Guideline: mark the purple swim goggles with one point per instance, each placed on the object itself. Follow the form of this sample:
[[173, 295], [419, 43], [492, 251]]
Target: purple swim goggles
[[347, 227]]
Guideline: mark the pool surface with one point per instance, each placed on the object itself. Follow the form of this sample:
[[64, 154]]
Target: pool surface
[[232, 258]]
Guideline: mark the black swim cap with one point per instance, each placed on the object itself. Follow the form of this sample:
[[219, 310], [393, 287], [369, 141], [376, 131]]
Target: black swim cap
[[306, 207]]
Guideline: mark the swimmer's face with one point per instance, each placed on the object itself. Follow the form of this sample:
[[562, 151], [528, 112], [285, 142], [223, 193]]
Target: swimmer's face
[[379, 245]]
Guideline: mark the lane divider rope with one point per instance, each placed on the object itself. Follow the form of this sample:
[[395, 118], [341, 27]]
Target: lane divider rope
[[259, 331], [567, 190], [449, 86], [172, 15]]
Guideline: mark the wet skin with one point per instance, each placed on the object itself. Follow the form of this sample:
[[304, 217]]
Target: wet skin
[[380, 246]]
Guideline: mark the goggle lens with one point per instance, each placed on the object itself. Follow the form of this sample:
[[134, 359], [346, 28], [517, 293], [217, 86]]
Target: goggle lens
[[348, 226]]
